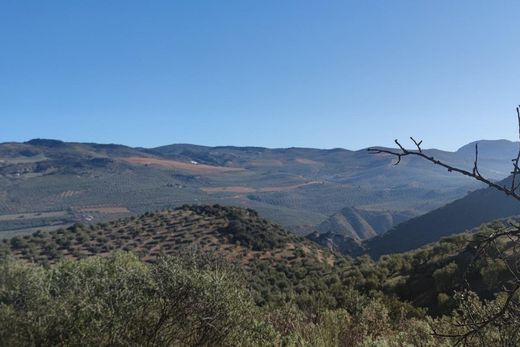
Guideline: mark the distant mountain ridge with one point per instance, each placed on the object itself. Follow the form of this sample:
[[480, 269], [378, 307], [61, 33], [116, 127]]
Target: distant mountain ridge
[[494, 149], [476, 208], [50, 182]]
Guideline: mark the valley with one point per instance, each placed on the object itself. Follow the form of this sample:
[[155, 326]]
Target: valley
[[52, 183]]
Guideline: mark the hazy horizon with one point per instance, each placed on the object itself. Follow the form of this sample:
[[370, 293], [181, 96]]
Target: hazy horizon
[[405, 143]]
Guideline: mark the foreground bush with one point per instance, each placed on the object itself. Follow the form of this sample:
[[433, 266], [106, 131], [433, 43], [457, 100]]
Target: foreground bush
[[120, 300], [123, 301]]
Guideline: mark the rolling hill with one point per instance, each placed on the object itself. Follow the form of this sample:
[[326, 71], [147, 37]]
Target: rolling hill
[[277, 261], [46, 184], [278, 264], [234, 233]]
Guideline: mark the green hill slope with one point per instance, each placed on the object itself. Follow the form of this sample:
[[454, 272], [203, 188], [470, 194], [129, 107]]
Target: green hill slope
[[278, 261], [361, 224], [476, 208], [279, 265]]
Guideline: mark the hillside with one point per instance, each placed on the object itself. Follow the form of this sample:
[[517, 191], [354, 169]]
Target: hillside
[[476, 208], [278, 264], [290, 279], [236, 233], [278, 259], [360, 224], [429, 276], [46, 184], [336, 242]]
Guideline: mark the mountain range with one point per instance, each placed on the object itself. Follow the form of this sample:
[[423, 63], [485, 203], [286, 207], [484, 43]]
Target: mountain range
[[478, 207], [49, 183]]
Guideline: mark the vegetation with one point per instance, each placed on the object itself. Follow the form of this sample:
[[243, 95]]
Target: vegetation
[[478, 207], [48, 183], [266, 285], [120, 301], [499, 252]]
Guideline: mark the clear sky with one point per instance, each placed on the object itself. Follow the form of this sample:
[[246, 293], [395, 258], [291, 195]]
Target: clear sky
[[266, 73]]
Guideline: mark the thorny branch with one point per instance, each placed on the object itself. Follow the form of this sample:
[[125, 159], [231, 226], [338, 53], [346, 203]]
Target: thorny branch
[[474, 173], [476, 327]]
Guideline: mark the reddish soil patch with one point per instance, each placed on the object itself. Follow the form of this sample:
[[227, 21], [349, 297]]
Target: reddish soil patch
[[179, 165], [307, 161]]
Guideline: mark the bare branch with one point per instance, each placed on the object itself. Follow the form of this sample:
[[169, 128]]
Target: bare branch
[[417, 144], [403, 152], [475, 163], [516, 169], [475, 327]]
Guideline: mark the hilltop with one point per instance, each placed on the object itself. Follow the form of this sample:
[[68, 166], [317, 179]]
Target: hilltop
[[278, 259], [235, 233]]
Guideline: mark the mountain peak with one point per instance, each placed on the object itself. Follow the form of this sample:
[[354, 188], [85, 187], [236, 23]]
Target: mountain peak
[[496, 149]]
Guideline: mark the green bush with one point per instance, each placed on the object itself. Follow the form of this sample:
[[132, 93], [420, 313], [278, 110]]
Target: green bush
[[120, 301]]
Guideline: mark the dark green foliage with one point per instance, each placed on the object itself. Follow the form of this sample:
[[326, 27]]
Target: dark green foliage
[[281, 272], [257, 236], [120, 301]]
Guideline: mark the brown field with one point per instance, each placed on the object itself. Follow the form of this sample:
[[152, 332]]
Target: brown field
[[179, 165], [105, 210], [239, 189], [307, 161], [266, 162]]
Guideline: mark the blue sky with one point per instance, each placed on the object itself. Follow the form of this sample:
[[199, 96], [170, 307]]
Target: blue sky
[[267, 73]]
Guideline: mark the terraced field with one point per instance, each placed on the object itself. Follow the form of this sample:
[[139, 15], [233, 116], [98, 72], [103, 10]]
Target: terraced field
[[236, 234]]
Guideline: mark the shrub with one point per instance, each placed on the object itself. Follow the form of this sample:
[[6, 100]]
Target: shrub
[[122, 301]]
